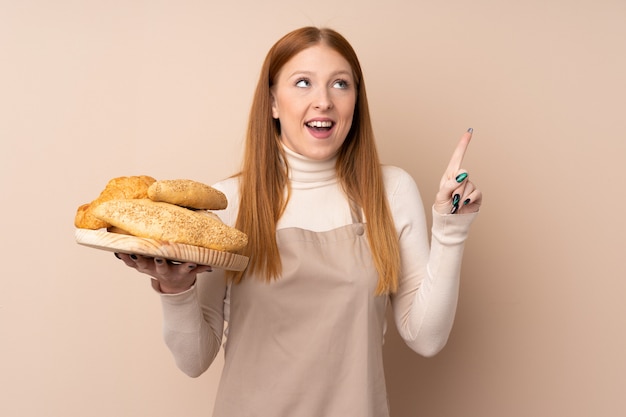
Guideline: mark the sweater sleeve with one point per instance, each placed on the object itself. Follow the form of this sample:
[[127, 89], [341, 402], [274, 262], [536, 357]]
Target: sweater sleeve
[[193, 323], [425, 304]]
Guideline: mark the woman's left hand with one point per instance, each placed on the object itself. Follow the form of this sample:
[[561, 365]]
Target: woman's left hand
[[168, 277], [457, 194]]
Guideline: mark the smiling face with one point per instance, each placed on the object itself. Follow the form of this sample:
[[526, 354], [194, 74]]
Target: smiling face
[[313, 98]]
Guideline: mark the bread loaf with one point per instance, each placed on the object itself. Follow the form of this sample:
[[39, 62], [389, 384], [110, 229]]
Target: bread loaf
[[84, 218], [170, 223], [116, 188], [187, 193]]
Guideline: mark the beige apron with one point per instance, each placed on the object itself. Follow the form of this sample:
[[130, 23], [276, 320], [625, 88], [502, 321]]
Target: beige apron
[[310, 343]]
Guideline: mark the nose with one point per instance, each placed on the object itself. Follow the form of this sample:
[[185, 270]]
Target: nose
[[323, 100]]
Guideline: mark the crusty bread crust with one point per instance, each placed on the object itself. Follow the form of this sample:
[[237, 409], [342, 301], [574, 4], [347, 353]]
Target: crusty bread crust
[[170, 223], [116, 188], [187, 193]]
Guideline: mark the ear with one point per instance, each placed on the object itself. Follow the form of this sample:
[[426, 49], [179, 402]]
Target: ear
[[274, 105]]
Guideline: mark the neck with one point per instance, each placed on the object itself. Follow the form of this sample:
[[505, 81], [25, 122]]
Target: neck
[[309, 173]]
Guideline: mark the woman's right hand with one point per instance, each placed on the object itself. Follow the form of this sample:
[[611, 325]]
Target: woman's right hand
[[457, 194], [167, 277]]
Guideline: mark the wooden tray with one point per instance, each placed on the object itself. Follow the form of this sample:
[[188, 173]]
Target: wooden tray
[[115, 242]]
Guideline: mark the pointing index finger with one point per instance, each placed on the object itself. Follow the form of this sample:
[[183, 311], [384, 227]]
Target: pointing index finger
[[459, 152]]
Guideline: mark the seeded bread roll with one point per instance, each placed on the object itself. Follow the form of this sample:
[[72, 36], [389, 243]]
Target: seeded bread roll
[[187, 193], [116, 188], [171, 223]]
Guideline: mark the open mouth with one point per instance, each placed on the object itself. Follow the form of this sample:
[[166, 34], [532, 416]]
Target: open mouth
[[320, 125]]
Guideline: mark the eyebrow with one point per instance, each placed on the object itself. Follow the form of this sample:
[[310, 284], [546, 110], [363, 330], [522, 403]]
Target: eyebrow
[[333, 74]]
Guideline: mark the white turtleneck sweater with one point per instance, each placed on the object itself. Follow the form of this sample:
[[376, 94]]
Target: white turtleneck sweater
[[423, 307]]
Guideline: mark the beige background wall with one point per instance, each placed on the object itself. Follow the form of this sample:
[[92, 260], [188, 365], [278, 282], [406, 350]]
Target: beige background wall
[[90, 90]]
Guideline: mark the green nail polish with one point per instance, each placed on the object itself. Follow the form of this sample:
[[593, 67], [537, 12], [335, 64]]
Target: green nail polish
[[466, 202], [461, 177], [455, 199]]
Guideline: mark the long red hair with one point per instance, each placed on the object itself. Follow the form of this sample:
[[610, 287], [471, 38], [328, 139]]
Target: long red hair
[[264, 186]]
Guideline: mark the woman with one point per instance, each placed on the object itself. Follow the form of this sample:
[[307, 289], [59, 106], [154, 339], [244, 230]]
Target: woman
[[334, 238]]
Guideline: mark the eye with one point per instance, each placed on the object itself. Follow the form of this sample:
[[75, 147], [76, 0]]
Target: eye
[[303, 83], [341, 84]]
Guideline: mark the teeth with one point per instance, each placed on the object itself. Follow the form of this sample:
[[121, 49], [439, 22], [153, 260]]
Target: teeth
[[319, 123]]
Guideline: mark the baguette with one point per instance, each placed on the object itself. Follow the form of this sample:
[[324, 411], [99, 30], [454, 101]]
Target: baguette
[[170, 223], [187, 193]]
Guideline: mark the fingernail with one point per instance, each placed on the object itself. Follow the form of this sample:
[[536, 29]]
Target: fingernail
[[455, 200], [117, 255], [454, 209], [192, 266], [133, 257], [466, 202], [470, 130], [461, 177], [158, 260]]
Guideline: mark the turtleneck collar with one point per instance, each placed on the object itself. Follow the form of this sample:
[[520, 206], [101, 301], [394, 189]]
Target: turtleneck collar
[[307, 173]]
